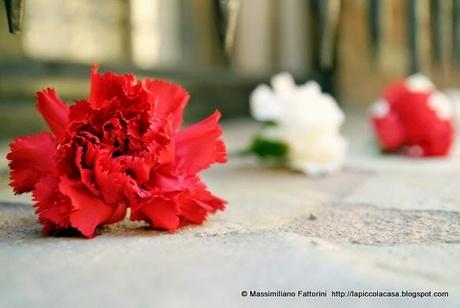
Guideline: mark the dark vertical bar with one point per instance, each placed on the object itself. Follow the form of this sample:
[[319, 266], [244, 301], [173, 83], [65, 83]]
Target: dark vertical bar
[[220, 20], [436, 30], [412, 34], [14, 14], [374, 25], [8, 15], [317, 28], [125, 30], [326, 76], [456, 32]]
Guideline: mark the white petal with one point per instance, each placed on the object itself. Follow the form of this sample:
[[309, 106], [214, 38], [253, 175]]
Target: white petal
[[330, 105], [264, 104], [441, 104], [316, 154], [283, 84], [311, 87], [454, 97], [379, 109], [419, 83]]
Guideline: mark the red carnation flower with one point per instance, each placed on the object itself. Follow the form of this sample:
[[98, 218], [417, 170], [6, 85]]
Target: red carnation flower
[[414, 118], [121, 148]]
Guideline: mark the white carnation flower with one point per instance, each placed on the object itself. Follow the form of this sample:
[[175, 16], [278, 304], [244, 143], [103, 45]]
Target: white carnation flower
[[308, 121]]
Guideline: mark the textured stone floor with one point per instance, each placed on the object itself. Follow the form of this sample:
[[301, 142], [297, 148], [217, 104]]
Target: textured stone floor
[[382, 224]]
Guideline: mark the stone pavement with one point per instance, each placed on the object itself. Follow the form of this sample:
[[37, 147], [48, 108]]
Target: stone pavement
[[382, 224]]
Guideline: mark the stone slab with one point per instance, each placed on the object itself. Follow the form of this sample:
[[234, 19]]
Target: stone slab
[[388, 225]]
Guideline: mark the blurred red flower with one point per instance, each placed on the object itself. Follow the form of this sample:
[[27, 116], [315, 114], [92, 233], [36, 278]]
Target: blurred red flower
[[121, 148], [414, 118]]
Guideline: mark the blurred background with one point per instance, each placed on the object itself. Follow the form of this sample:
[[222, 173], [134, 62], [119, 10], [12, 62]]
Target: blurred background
[[220, 49]]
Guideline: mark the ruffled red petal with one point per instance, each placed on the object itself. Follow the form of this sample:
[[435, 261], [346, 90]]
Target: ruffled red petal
[[200, 145], [118, 215], [54, 111], [171, 100], [192, 212], [52, 207], [196, 206], [105, 87], [395, 93], [87, 211], [389, 131], [115, 186], [31, 158], [160, 213], [80, 112]]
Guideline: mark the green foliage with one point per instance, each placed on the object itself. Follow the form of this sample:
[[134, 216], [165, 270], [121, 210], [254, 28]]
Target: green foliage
[[268, 149], [269, 124]]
